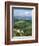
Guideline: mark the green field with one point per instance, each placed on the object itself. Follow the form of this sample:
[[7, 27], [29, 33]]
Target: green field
[[22, 28]]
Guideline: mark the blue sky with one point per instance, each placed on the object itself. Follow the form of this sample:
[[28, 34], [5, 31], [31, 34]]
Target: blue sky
[[22, 12]]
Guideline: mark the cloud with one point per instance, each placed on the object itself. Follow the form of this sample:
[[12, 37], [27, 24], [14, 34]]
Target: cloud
[[24, 14], [27, 13]]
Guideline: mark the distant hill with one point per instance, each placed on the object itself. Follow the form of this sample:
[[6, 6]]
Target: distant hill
[[23, 17]]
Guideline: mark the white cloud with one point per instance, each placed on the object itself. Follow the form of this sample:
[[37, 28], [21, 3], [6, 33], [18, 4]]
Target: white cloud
[[26, 12]]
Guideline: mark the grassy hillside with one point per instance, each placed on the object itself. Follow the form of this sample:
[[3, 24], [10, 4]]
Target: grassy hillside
[[22, 27]]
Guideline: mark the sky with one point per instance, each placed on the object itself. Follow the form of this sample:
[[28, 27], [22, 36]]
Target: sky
[[22, 12]]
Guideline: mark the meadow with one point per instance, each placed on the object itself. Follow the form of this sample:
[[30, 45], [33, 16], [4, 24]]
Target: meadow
[[22, 27]]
